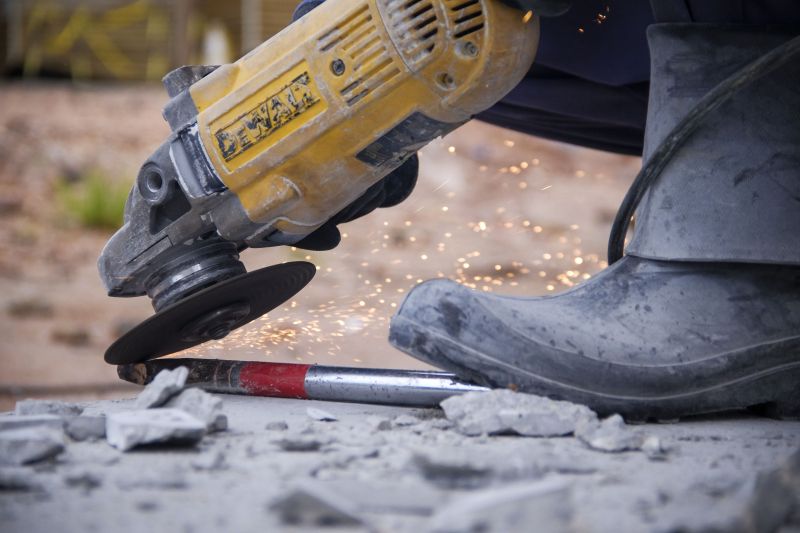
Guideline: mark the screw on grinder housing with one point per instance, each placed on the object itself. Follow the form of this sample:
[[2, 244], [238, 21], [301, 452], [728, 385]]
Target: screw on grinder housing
[[265, 150]]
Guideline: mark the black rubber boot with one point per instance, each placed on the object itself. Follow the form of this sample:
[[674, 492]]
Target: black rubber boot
[[703, 314]]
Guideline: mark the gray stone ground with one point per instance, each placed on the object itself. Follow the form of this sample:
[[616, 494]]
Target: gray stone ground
[[393, 469]]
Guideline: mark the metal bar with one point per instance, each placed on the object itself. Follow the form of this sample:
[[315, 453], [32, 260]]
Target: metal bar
[[314, 382], [383, 386]]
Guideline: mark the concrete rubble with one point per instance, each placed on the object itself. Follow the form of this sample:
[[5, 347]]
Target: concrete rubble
[[313, 507], [18, 479], [127, 429], [85, 480], [320, 415], [167, 414], [29, 445], [277, 425], [609, 435], [504, 411], [25, 421], [166, 384], [775, 500], [302, 442], [380, 468], [203, 406], [47, 407], [538, 506], [405, 420], [36, 430], [82, 428]]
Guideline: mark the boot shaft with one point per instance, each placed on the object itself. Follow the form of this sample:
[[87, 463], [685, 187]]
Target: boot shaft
[[732, 193]]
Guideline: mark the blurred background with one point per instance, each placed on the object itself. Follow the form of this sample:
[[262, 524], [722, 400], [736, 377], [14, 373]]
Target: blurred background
[[80, 110]]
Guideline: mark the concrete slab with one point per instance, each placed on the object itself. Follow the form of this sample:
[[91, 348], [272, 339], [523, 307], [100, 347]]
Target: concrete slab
[[229, 480]]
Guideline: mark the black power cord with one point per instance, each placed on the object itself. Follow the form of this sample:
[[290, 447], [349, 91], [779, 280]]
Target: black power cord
[[720, 94]]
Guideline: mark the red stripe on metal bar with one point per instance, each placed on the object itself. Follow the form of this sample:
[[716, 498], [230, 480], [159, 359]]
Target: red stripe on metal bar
[[282, 380]]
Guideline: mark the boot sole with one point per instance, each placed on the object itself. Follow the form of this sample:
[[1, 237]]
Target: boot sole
[[773, 391]]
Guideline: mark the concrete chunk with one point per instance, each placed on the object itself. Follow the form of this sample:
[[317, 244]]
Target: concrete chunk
[[302, 443], [83, 428], [313, 506], [320, 415], [775, 501], [203, 406], [539, 506], [29, 445], [453, 471], [127, 429], [503, 411], [47, 407], [379, 423], [26, 421], [167, 478], [85, 480], [654, 449], [405, 420], [166, 384], [212, 461], [609, 435], [18, 479], [392, 497], [278, 425]]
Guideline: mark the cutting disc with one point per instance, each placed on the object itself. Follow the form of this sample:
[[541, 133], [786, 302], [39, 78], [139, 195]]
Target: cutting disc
[[211, 313]]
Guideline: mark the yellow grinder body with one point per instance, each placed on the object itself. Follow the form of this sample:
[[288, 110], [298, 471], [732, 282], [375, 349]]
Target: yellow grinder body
[[305, 123]]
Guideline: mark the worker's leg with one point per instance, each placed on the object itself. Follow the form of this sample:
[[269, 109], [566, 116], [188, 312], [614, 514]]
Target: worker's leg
[[703, 314]]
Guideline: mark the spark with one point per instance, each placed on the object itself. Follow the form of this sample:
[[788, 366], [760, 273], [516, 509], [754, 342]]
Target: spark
[[442, 184]]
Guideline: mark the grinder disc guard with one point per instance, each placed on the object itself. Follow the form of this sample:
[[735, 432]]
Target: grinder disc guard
[[211, 313]]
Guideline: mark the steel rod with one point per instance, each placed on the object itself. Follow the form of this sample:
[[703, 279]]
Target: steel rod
[[418, 388]]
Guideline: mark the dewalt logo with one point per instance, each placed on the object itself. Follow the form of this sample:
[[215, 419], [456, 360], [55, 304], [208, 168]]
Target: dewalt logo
[[269, 115]]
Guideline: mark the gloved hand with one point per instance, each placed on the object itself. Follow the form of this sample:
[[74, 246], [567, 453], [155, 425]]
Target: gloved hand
[[388, 192], [542, 8]]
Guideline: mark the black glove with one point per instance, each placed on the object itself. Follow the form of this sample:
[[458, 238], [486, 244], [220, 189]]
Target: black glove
[[542, 8], [388, 192]]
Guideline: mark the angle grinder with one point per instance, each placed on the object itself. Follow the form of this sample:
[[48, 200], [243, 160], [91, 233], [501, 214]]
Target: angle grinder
[[265, 150]]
